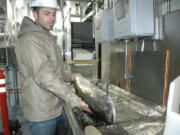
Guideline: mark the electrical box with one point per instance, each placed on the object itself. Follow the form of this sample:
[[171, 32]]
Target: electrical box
[[133, 18], [3, 56], [104, 26]]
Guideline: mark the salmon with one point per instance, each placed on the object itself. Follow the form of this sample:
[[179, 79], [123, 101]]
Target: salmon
[[98, 100]]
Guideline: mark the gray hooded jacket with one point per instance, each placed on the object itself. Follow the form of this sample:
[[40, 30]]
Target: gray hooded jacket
[[41, 68]]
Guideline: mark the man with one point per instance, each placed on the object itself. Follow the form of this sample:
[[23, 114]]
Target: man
[[40, 63]]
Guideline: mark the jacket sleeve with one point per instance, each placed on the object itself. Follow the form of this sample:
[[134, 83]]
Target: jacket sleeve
[[41, 69]]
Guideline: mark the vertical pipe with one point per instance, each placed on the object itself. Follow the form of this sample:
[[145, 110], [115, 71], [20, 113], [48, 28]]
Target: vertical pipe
[[155, 45], [118, 78], [68, 46], [16, 87], [100, 61], [126, 55], [168, 6], [108, 4], [3, 104], [142, 47], [6, 21], [166, 78], [136, 43], [128, 71], [158, 22]]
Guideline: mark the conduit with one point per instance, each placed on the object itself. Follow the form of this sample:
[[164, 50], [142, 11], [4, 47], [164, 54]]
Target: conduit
[[166, 78]]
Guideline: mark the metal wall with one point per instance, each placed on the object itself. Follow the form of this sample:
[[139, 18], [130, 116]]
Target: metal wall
[[111, 57], [172, 42], [148, 70]]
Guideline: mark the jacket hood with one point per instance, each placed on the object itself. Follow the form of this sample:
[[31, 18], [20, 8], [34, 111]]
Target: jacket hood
[[28, 25]]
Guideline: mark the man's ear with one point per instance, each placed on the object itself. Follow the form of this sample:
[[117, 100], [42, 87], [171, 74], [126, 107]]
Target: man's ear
[[35, 15]]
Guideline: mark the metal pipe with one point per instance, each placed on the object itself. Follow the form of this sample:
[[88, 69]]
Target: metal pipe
[[128, 72], [168, 6], [16, 87], [68, 46], [126, 55], [110, 4], [136, 43], [142, 47], [166, 76], [107, 89], [158, 22], [155, 45], [106, 4]]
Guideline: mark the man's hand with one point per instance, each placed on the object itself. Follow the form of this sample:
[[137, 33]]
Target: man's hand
[[83, 106], [74, 75]]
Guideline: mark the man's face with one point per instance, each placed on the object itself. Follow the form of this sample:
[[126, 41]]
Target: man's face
[[45, 17]]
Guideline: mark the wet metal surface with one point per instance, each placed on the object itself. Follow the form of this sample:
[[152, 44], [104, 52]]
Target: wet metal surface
[[134, 115], [136, 107], [138, 127]]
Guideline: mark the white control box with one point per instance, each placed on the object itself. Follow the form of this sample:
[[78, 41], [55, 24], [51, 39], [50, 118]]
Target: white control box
[[104, 26], [133, 18]]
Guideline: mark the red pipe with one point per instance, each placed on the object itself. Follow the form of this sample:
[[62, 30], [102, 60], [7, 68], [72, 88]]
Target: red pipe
[[3, 104], [166, 78]]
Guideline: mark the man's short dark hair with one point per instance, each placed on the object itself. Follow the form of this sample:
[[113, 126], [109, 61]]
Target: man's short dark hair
[[36, 9]]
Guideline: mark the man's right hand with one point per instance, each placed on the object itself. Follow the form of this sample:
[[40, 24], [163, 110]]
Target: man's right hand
[[83, 106]]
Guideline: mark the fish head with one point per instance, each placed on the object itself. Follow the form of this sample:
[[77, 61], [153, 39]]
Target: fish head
[[109, 111]]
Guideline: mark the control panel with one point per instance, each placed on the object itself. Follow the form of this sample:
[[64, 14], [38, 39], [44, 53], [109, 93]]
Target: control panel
[[133, 18]]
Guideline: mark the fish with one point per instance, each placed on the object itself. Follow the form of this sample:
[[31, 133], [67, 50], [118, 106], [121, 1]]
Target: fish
[[98, 100]]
